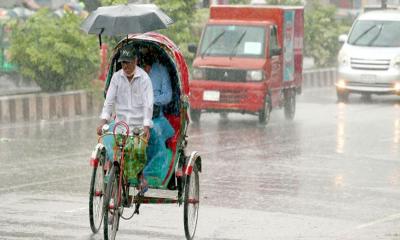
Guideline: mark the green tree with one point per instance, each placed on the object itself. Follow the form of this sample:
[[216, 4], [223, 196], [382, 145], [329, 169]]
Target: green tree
[[321, 34], [182, 12], [321, 30], [54, 52], [112, 2]]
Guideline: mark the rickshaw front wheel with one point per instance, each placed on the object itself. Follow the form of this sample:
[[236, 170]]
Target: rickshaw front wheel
[[111, 208], [96, 196], [191, 203]]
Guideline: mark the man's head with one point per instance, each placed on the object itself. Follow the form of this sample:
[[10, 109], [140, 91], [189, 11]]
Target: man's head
[[127, 58], [147, 63], [127, 54]]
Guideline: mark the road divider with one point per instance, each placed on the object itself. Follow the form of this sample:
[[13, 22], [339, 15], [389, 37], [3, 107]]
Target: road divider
[[52, 106], [48, 106], [323, 77]]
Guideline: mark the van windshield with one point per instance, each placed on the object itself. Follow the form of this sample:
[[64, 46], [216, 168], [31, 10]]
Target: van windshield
[[233, 40], [375, 33]]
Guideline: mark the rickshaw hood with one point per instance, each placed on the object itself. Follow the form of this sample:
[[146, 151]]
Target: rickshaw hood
[[173, 52]]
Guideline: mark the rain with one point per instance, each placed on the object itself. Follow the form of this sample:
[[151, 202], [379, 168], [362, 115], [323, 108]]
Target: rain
[[318, 159]]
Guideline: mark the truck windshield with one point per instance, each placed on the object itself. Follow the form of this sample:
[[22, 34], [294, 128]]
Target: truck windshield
[[233, 40], [375, 33]]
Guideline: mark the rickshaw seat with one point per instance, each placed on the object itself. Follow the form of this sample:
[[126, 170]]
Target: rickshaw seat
[[175, 123]]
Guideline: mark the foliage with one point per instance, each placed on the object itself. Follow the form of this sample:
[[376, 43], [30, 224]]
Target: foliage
[[91, 5], [113, 2], [321, 34], [199, 21], [54, 52], [321, 30], [182, 12]]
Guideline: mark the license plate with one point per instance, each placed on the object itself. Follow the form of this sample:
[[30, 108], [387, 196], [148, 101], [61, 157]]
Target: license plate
[[211, 96], [368, 78]]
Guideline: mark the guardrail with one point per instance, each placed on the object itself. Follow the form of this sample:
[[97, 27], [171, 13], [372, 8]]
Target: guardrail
[[47, 106], [324, 77], [51, 106]]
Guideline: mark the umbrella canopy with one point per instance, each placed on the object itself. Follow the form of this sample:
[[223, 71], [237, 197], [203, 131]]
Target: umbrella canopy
[[125, 19]]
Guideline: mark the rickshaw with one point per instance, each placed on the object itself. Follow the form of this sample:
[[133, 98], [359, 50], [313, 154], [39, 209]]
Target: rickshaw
[[110, 190]]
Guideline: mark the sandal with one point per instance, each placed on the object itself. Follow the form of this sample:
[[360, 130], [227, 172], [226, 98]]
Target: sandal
[[143, 185]]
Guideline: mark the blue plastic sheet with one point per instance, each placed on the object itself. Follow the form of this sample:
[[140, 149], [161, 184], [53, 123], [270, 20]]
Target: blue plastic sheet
[[159, 156]]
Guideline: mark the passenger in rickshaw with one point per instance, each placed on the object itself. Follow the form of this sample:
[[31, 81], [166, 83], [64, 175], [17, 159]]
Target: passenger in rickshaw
[[130, 95], [157, 152]]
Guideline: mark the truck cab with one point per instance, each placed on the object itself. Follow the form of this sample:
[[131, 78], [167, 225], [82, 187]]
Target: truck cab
[[249, 60]]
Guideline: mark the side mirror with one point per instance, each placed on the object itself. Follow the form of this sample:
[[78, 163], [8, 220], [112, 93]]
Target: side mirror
[[276, 52], [342, 38], [192, 48]]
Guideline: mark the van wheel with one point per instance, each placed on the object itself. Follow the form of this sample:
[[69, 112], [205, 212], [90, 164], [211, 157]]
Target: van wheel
[[342, 96], [290, 104], [195, 115], [265, 113]]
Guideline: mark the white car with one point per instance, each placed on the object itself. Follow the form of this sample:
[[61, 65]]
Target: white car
[[369, 61]]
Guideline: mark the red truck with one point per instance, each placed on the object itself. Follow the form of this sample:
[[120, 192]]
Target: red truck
[[249, 60]]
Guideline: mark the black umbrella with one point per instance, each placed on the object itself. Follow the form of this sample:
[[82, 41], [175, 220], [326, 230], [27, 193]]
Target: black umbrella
[[124, 19]]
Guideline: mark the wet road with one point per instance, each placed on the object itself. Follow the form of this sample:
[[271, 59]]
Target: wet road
[[332, 173]]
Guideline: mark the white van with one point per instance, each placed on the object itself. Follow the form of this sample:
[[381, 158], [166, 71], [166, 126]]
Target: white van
[[369, 61]]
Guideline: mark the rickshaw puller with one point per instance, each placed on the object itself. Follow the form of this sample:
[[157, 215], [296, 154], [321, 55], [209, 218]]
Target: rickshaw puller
[[131, 95]]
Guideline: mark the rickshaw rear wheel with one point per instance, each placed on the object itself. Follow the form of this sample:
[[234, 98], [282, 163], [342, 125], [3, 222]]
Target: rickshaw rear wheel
[[191, 203], [111, 208], [195, 115], [96, 197]]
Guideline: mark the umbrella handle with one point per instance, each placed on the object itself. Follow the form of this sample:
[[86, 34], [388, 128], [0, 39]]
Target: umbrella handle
[[102, 30]]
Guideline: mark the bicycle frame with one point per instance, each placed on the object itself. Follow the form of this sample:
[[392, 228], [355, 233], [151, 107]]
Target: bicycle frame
[[120, 164]]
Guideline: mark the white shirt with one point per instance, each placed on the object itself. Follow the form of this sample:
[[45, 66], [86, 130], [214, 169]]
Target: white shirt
[[133, 101]]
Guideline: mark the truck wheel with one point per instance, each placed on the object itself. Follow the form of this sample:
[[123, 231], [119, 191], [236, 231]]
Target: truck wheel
[[290, 104], [342, 96], [223, 115], [265, 112], [366, 97], [195, 115]]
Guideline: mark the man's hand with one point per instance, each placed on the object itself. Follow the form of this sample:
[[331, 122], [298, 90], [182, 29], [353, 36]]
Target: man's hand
[[147, 132], [100, 127]]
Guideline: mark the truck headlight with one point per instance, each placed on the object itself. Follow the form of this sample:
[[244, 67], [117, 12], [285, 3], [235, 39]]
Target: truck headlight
[[343, 59], [396, 62], [255, 75], [198, 73]]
